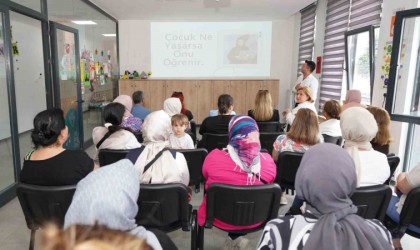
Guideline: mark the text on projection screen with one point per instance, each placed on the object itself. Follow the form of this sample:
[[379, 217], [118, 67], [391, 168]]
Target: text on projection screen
[[210, 49]]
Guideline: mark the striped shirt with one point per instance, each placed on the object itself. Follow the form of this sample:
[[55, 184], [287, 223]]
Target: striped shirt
[[292, 232]]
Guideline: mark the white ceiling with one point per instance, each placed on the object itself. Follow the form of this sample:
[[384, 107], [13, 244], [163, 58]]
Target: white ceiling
[[202, 10]]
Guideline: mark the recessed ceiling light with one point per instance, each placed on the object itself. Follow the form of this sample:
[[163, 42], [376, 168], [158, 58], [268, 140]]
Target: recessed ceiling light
[[88, 22], [109, 34]]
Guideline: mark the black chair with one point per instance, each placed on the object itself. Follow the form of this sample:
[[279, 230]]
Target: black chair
[[193, 131], [165, 207], [338, 140], [268, 126], [393, 162], [267, 140], [409, 216], [109, 156], [287, 167], [42, 204], [195, 159], [212, 141], [240, 206], [372, 201]]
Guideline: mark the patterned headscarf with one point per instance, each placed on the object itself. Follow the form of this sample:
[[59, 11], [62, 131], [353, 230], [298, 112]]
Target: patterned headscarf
[[244, 144]]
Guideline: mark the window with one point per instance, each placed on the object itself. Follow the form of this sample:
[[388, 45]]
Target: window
[[307, 34]]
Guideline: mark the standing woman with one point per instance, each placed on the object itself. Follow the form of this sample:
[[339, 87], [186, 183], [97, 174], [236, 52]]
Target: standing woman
[[184, 111], [263, 110], [129, 121], [304, 99], [50, 164]]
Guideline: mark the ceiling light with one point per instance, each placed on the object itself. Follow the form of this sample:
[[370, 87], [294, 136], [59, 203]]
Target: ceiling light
[[109, 34], [87, 22]]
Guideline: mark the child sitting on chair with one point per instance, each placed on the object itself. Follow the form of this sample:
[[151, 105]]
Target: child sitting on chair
[[179, 139]]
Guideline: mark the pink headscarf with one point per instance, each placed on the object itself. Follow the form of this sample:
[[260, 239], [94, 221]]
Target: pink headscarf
[[127, 102], [353, 99]]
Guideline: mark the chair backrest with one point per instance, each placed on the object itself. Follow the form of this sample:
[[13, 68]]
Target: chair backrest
[[164, 206], [41, 204], [212, 141], [195, 159], [193, 132], [287, 167], [267, 140], [338, 140], [268, 126], [393, 162], [410, 212], [372, 201], [242, 205], [109, 156]]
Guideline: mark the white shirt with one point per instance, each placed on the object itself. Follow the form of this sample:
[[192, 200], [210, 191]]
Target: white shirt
[[184, 142], [374, 168], [291, 115], [330, 127], [311, 82], [122, 139]]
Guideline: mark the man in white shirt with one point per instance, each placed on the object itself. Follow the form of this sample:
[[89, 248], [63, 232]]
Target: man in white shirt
[[306, 79]]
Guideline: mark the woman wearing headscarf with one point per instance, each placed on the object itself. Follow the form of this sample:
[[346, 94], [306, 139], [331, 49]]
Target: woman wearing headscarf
[[241, 163], [359, 127], [172, 106], [129, 121], [169, 166], [330, 220], [353, 99], [108, 196]]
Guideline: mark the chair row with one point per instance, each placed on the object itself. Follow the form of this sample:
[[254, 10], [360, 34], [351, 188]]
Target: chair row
[[165, 207]]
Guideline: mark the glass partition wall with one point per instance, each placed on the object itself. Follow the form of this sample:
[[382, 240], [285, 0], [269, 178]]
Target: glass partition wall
[[84, 57]]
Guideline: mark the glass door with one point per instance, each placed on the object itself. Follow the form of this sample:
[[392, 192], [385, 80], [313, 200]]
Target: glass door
[[67, 82]]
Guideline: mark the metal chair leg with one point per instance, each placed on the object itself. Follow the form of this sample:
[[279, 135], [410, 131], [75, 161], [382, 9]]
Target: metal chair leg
[[194, 230], [201, 238], [32, 241]]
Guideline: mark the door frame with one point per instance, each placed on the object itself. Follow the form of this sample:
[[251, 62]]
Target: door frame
[[56, 72]]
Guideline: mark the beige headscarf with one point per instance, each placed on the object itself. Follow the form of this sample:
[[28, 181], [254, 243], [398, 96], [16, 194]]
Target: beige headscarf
[[172, 106], [358, 127], [353, 99], [127, 102]]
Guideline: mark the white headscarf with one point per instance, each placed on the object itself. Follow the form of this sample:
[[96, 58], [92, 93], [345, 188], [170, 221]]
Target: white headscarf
[[127, 102], [358, 127], [172, 106]]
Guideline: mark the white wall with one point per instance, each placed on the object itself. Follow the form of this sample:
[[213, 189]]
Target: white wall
[[134, 45]]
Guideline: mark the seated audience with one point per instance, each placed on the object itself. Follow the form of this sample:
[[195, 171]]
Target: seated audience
[[167, 166], [184, 111], [50, 164], [240, 164], [129, 121], [359, 128], [405, 183], [112, 135], [303, 134], [138, 110], [82, 237], [331, 112], [330, 220], [383, 137], [263, 111], [304, 99], [179, 139], [108, 197], [353, 99], [219, 124]]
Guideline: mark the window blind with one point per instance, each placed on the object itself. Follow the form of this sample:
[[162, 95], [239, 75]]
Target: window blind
[[364, 13], [307, 34], [336, 25]]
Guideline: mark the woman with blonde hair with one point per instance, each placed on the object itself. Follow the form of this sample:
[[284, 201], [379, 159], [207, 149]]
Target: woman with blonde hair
[[263, 110], [84, 237], [383, 137], [304, 99], [303, 134]]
